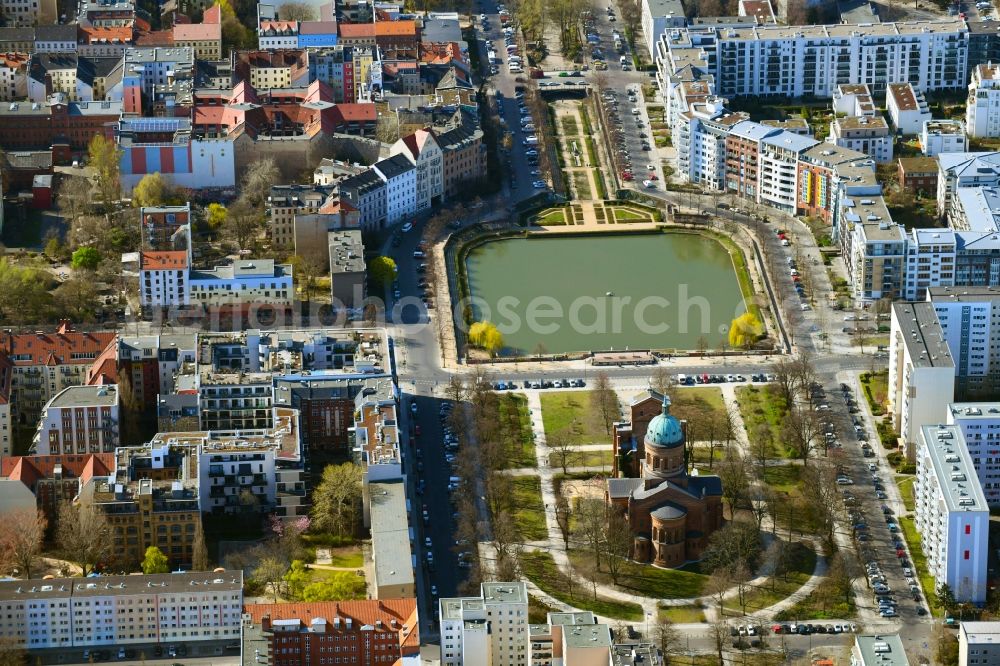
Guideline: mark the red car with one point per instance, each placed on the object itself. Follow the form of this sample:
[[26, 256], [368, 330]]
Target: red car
[[416, 429]]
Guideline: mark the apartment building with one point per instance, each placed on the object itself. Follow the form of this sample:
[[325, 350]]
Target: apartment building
[[205, 37], [800, 61], [367, 192], [982, 110], [701, 134], [368, 633], [865, 134], [151, 362], [907, 108], [287, 201], [658, 16], [400, 178], [164, 278], [931, 255], [489, 629], [463, 153], [979, 644], [6, 423], [955, 170], [980, 425], [122, 610], [917, 174], [943, 136], [55, 479], [821, 170], [244, 283], [874, 248], [969, 318], [234, 400], [921, 371], [13, 76], [878, 650], [79, 419], [854, 100], [27, 13], [347, 269], [422, 150], [762, 163], [46, 363], [951, 515], [159, 65]]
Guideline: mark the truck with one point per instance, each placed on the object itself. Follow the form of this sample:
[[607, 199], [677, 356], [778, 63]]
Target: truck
[[494, 60], [536, 73]]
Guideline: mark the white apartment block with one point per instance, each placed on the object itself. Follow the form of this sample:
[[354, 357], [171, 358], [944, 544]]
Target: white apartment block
[[779, 168], [159, 65], [701, 143], [798, 61], [423, 151], [865, 134], [952, 516], [164, 278], [930, 261], [943, 136], [122, 610], [659, 16], [488, 630], [980, 425], [400, 178], [907, 108], [957, 170], [979, 644], [79, 419], [982, 110], [969, 318], [878, 650], [921, 371], [874, 248], [854, 100], [244, 282]]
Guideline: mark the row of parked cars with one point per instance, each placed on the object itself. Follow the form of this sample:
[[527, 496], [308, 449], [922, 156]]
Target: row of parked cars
[[705, 378], [539, 384]]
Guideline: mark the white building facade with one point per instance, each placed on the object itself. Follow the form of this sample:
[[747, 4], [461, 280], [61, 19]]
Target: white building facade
[[489, 630], [982, 110], [81, 420], [400, 178]]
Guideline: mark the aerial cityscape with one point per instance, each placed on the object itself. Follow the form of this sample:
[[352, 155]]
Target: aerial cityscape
[[563, 333]]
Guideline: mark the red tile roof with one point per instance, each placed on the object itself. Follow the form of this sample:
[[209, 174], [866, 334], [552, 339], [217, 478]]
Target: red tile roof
[[92, 34], [396, 28], [404, 611], [356, 30], [163, 260], [358, 111], [197, 32], [212, 15], [158, 38], [30, 469], [64, 347]]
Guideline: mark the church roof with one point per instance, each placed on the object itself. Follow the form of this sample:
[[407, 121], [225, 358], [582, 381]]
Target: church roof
[[622, 487], [669, 512], [664, 429]]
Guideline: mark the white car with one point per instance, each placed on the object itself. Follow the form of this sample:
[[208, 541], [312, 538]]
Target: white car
[[407, 227], [539, 184], [648, 183]]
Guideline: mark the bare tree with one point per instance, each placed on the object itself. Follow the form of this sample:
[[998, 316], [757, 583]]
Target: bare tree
[[742, 576], [618, 542], [561, 446], [799, 431], [23, 534], [822, 500], [718, 586], [733, 472], [591, 526], [199, 555], [776, 561], [84, 535], [243, 223], [296, 11], [563, 517], [257, 182], [605, 400], [667, 637]]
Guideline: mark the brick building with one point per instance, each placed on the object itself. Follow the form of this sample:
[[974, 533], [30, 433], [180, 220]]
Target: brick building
[[670, 512], [30, 125], [918, 174], [366, 633]]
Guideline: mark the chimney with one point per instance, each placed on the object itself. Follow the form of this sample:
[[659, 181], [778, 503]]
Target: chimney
[[64, 327], [265, 623]]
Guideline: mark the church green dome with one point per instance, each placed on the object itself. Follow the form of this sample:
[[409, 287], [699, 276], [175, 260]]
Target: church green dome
[[665, 430]]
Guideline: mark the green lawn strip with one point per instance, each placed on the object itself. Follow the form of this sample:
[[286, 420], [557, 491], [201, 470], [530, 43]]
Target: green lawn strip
[[783, 477], [826, 602], [569, 127], [563, 409], [645, 579], [540, 569], [920, 563], [701, 454], [538, 610], [776, 588], [602, 190], [529, 516], [761, 404], [520, 453], [702, 399], [875, 388], [551, 217], [588, 143], [682, 614], [905, 483], [623, 214], [347, 558], [590, 459]]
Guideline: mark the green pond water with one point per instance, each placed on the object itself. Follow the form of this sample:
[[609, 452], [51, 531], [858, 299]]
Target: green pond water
[[603, 292]]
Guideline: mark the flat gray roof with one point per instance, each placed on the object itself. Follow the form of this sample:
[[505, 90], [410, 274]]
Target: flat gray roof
[[922, 335], [981, 633], [390, 534], [587, 635], [953, 468], [86, 396], [347, 251], [505, 593], [881, 649], [119, 586], [963, 294]]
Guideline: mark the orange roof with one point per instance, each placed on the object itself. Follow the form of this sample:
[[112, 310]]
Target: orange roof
[[395, 28], [359, 111], [64, 347], [158, 38], [356, 30], [122, 35], [403, 611], [163, 260], [197, 32], [212, 15], [30, 469], [13, 60], [104, 369]]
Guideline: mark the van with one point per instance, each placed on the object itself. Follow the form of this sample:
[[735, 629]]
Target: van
[[682, 380], [515, 59], [622, 59]]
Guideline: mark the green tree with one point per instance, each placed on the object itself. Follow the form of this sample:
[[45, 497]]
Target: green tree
[[336, 499], [297, 578], [86, 258], [382, 270], [215, 215], [155, 562], [486, 336], [745, 330], [153, 190], [105, 159], [270, 572]]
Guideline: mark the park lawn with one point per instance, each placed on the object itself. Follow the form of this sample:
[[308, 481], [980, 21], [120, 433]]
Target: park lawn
[[626, 214], [347, 557], [582, 184], [520, 449], [682, 614], [920, 564], [701, 453], [569, 126], [825, 602], [706, 401], [551, 217], [564, 409], [761, 404], [775, 589], [540, 569], [876, 390], [344, 585], [538, 610], [529, 516], [905, 483], [590, 458], [783, 477], [647, 580]]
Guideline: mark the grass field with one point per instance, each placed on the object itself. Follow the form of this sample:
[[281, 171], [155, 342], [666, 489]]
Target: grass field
[[776, 588], [520, 444], [588, 459], [540, 569], [905, 483], [920, 563], [530, 513], [647, 580], [551, 217], [876, 390], [759, 405], [783, 477], [699, 400], [682, 614], [571, 410], [826, 602], [347, 557]]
